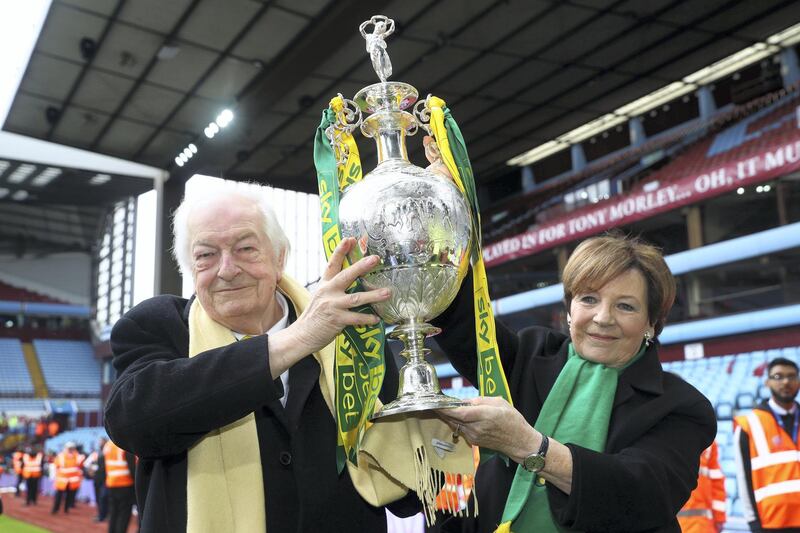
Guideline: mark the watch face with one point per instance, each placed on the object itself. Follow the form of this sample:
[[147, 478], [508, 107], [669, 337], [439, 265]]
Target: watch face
[[533, 463]]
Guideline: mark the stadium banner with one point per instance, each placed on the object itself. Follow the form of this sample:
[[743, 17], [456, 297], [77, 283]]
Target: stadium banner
[[739, 164]]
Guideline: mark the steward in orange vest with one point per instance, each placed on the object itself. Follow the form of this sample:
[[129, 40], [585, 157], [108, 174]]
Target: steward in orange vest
[[768, 454], [118, 470], [120, 467], [16, 460], [32, 472], [68, 465], [41, 427], [455, 494], [32, 465], [704, 512]]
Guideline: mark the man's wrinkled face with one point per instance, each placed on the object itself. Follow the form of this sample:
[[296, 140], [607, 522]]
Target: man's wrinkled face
[[234, 267]]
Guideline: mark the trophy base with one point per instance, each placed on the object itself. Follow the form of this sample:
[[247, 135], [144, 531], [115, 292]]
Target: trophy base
[[410, 403]]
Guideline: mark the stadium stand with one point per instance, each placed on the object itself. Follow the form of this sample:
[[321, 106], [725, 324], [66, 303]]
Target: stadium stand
[[10, 292], [15, 379], [85, 438], [23, 406], [69, 367]]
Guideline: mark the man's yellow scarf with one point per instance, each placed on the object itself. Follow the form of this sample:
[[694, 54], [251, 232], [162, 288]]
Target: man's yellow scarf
[[225, 490]]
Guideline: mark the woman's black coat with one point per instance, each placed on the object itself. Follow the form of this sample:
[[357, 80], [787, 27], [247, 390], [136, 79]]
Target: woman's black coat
[[659, 426]]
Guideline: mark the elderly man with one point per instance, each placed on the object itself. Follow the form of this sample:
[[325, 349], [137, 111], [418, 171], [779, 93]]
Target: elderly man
[[216, 395]]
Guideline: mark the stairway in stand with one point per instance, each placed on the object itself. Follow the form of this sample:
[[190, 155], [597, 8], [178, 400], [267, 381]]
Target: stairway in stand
[[37, 378]]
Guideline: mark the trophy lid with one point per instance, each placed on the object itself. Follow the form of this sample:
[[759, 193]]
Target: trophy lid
[[390, 95]]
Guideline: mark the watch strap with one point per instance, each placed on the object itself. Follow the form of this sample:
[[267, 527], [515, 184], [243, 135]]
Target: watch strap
[[544, 446]]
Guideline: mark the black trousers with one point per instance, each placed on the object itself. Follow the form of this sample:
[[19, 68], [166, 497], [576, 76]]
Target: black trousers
[[120, 504], [32, 487], [20, 479], [69, 497], [101, 498]]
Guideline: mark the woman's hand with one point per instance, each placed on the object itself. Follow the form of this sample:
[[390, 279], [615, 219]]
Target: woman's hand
[[491, 422], [328, 312], [435, 157]]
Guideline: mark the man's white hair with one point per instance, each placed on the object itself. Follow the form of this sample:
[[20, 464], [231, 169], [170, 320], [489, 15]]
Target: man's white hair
[[220, 193]]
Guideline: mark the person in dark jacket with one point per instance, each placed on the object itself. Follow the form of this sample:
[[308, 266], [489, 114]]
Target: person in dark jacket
[[599, 437], [95, 469], [216, 394]]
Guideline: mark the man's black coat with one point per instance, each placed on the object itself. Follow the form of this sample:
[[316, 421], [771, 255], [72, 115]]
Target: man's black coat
[[163, 402]]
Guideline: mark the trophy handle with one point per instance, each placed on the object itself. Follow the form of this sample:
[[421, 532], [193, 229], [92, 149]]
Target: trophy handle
[[423, 114], [347, 121]]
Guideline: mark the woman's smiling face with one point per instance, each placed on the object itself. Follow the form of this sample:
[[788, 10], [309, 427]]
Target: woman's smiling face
[[608, 325]]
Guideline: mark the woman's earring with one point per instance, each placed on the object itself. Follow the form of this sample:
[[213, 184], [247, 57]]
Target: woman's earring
[[648, 338], [569, 321]]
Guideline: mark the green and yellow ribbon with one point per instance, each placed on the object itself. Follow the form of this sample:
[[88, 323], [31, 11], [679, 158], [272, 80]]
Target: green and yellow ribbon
[[491, 377], [359, 363]]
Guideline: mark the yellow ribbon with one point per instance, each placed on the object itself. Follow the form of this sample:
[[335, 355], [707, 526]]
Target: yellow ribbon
[[492, 380]]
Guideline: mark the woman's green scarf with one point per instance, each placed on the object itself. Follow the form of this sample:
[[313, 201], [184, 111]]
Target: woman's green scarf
[[576, 411]]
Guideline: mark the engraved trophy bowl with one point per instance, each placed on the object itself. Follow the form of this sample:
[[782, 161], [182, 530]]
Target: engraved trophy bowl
[[418, 223]]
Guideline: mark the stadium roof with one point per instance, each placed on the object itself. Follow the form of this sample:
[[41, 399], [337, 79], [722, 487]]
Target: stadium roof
[[141, 79]]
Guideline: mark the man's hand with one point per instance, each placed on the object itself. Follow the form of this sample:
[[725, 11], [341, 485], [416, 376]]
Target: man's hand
[[328, 312]]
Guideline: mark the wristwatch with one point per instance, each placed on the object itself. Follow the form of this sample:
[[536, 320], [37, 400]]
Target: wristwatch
[[535, 461]]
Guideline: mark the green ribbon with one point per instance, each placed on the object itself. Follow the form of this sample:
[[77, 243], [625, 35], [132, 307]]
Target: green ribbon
[[458, 149], [359, 361]]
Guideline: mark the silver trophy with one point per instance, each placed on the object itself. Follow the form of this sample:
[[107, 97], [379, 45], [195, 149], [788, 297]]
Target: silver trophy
[[415, 220]]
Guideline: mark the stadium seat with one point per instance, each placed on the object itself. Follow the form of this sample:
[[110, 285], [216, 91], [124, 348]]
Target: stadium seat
[[724, 411], [86, 438], [14, 376], [745, 400], [763, 392], [731, 487], [69, 367], [33, 407]]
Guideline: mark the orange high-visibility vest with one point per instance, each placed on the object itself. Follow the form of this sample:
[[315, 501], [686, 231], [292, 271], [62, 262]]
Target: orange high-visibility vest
[[32, 465], [117, 472], [457, 489], [706, 505], [16, 459], [68, 471], [775, 470]]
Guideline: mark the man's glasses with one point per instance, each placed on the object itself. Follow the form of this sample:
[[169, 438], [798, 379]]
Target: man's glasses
[[784, 377]]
